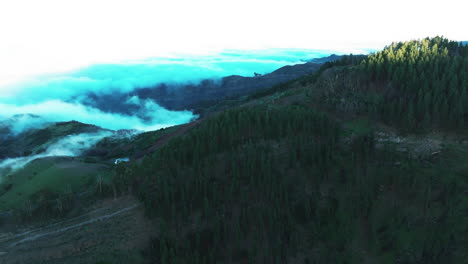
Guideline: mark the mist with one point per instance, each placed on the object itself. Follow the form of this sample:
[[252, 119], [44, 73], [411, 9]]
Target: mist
[[70, 146], [151, 116]]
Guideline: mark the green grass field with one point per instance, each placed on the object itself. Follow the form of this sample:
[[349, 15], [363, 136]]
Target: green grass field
[[59, 175]]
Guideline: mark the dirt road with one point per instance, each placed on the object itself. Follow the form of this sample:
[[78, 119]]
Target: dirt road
[[113, 231]]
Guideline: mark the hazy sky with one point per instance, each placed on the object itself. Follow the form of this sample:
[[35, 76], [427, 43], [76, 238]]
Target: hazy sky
[[53, 35]]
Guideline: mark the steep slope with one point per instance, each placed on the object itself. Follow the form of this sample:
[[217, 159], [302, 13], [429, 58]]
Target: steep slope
[[291, 178], [415, 86]]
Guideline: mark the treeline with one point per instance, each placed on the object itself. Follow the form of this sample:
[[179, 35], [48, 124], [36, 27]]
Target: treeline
[[428, 83], [279, 185]]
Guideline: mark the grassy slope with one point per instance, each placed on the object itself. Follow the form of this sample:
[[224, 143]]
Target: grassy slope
[[56, 174]]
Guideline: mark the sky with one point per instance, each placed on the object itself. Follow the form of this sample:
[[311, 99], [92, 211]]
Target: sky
[[55, 35]]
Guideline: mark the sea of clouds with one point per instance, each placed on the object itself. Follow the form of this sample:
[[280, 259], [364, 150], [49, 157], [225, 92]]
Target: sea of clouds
[[37, 101], [65, 96]]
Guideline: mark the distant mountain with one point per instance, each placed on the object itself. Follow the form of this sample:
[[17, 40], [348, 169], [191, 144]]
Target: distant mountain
[[181, 97], [332, 57], [16, 122], [184, 97]]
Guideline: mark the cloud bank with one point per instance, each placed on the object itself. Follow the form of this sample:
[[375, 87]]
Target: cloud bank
[[150, 117], [69, 95], [85, 94]]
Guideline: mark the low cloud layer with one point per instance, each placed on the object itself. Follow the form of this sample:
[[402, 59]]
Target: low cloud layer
[[151, 116], [66, 96], [125, 77], [81, 94], [71, 146]]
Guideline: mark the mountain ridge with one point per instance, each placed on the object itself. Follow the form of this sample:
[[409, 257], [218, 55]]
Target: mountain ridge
[[183, 97]]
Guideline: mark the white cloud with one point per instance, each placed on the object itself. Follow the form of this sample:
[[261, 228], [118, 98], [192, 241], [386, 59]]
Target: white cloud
[[66, 96], [53, 35], [126, 76], [59, 111], [71, 146]]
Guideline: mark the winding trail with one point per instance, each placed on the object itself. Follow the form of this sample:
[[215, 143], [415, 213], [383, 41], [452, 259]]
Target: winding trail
[[63, 229]]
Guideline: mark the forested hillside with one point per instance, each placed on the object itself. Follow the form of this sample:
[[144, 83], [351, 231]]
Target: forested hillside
[[310, 172], [415, 85]]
